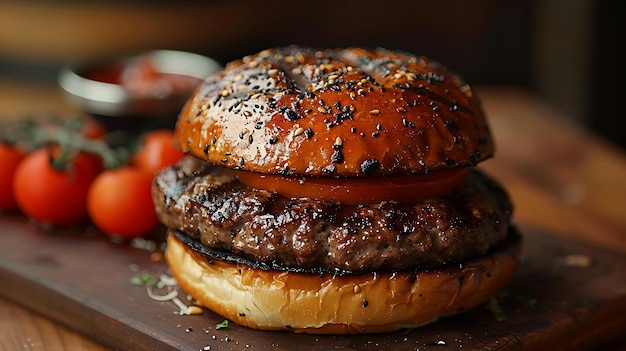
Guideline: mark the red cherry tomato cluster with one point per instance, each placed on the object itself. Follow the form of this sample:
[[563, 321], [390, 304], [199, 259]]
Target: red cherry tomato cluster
[[59, 185]]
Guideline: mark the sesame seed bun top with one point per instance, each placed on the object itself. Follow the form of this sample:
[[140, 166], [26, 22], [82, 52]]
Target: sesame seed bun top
[[337, 112]]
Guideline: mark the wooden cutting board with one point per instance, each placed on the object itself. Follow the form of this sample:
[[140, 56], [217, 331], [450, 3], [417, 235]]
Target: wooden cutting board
[[565, 295]]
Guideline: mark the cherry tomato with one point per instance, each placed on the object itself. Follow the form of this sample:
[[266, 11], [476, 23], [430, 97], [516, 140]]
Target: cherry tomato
[[10, 157], [156, 151], [120, 203], [355, 191], [50, 195], [92, 129]]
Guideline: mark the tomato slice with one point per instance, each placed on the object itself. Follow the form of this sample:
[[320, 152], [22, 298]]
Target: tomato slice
[[355, 191]]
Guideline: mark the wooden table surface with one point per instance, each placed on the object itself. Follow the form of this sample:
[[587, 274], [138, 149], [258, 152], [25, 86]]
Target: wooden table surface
[[560, 176]]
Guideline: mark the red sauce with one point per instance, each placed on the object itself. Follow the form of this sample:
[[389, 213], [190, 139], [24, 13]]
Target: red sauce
[[143, 80]]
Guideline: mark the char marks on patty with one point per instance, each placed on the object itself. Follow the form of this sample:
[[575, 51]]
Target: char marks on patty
[[208, 202]]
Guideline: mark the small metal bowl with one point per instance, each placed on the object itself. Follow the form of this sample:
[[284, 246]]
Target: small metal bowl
[[100, 90]]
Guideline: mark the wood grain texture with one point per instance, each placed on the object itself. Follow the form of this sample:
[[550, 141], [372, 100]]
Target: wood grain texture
[[30, 331]]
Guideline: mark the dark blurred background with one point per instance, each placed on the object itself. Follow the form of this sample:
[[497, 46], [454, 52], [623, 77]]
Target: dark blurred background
[[568, 52]]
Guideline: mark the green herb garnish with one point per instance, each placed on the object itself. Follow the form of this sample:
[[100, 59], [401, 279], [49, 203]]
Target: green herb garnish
[[222, 325], [143, 279]]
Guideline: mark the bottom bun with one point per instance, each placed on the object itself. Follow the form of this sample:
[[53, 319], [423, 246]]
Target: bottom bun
[[332, 304]]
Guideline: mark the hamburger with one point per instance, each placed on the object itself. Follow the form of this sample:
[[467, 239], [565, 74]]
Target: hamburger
[[335, 192]]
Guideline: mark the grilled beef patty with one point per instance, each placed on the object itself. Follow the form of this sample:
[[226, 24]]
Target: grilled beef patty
[[209, 203]]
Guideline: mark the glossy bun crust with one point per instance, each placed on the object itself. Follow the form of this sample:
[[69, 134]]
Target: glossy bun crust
[[339, 112], [330, 304]]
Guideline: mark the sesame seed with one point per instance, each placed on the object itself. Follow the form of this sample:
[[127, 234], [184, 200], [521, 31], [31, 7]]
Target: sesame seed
[[370, 166], [308, 133], [352, 95], [375, 112], [337, 157], [300, 57], [272, 71], [291, 114], [298, 131], [334, 87], [452, 125], [322, 109], [329, 169], [338, 141], [224, 93]]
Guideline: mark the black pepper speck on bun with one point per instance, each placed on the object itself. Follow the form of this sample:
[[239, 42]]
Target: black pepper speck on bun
[[334, 192]]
